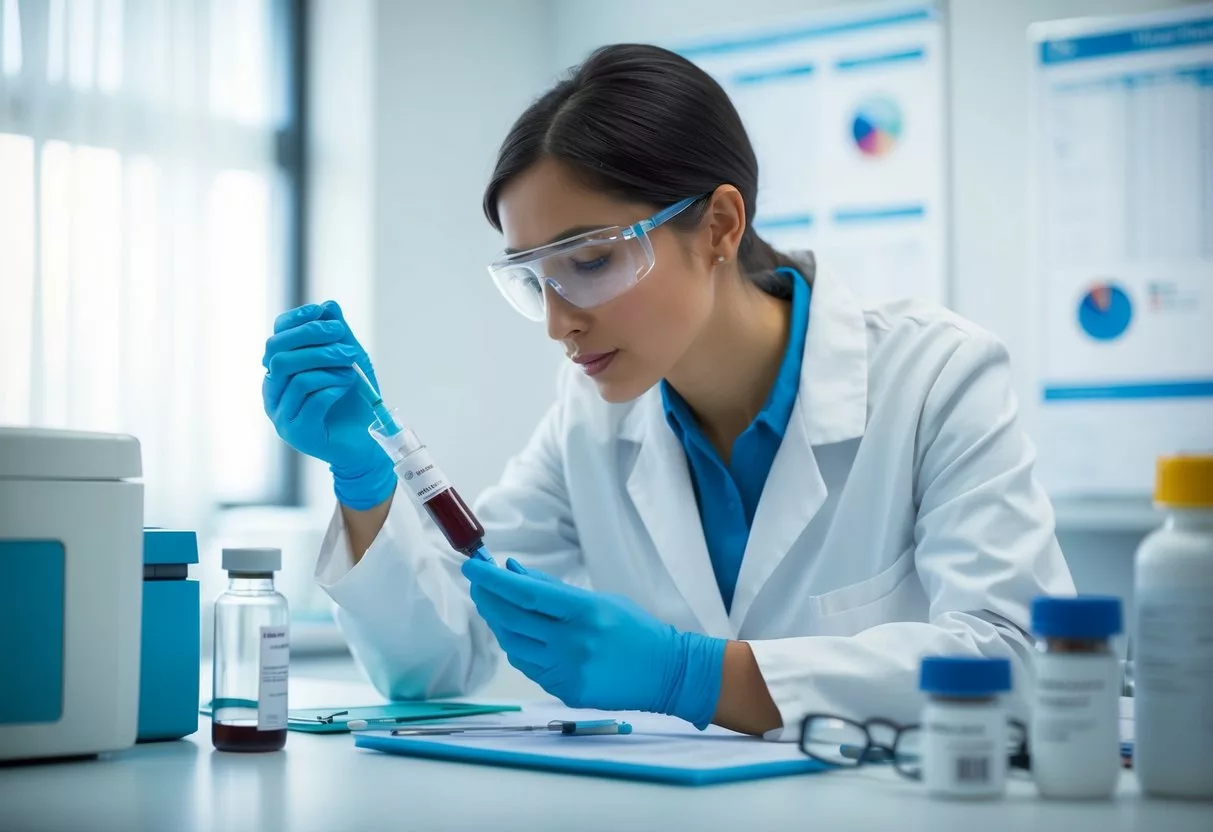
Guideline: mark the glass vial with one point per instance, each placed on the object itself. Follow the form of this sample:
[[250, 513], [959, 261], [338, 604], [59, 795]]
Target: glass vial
[[251, 655], [964, 726], [1075, 729]]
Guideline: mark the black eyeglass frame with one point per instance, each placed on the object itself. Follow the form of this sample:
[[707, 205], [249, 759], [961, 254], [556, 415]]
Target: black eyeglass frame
[[876, 752]]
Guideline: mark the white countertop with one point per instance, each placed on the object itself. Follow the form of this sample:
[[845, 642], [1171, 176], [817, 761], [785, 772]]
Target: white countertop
[[322, 782]]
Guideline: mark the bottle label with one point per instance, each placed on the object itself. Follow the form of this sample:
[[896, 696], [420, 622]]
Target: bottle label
[[421, 476], [1173, 680], [964, 751], [271, 690], [1075, 731], [1174, 651]]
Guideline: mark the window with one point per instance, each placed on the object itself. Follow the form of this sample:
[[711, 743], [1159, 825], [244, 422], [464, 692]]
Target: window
[[151, 207]]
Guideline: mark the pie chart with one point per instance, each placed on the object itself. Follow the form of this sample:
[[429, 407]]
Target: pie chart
[[876, 126], [1105, 311]]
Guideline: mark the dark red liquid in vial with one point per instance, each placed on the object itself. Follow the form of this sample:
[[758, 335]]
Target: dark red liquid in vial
[[460, 527], [246, 738]]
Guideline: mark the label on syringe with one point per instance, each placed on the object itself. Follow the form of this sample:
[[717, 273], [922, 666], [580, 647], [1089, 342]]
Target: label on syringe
[[418, 473]]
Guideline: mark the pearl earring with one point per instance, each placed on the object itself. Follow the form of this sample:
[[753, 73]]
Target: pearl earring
[[719, 258]]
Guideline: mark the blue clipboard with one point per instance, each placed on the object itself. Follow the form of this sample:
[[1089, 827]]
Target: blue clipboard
[[625, 757]]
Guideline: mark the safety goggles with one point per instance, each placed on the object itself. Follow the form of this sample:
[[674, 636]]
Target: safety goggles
[[586, 270]]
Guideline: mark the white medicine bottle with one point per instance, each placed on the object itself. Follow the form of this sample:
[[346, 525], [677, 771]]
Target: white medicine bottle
[[965, 737], [1173, 636], [251, 655], [1075, 728]]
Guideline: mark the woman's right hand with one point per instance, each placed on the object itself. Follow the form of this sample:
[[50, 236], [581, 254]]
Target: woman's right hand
[[309, 393]]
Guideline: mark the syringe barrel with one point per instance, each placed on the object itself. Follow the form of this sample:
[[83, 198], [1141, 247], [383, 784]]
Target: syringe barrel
[[428, 486]]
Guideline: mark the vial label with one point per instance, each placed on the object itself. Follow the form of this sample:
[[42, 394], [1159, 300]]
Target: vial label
[[271, 689], [965, 751], [421, 476], [1075, 730]]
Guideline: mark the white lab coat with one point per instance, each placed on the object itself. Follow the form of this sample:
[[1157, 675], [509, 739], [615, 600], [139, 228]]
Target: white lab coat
[[900, 519]]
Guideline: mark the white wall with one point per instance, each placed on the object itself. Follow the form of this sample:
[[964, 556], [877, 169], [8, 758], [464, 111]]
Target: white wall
[[471, 376], [410, 102]]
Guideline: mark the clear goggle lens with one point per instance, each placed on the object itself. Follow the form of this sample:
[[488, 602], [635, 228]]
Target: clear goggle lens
[[586, 271]]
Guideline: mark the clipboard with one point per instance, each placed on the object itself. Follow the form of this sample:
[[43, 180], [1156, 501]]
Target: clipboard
[[660, 749], [335, 720]]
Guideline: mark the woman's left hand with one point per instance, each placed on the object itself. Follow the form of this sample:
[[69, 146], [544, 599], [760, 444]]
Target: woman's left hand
[[593, 649]]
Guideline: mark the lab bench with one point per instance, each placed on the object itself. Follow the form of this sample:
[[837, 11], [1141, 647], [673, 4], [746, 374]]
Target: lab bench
[[322, 782]]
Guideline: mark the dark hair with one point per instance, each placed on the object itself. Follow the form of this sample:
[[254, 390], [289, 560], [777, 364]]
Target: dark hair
[[646, 125]]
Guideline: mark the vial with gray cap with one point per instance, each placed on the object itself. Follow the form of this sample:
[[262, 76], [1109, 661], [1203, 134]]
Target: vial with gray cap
[[251, 655]]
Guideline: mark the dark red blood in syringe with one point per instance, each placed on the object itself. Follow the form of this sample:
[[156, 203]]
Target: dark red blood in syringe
[[452, 515]]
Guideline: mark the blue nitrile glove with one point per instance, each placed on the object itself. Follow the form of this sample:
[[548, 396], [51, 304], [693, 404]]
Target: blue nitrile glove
[[309, 394], [596, 650]]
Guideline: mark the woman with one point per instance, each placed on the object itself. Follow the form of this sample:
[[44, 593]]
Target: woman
[[753, 498]]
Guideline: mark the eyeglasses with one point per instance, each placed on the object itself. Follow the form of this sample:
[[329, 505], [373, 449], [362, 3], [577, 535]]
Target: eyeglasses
[[842, 742], [586, 270]]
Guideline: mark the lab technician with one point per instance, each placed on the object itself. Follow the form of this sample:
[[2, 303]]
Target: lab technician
[[754, 497]]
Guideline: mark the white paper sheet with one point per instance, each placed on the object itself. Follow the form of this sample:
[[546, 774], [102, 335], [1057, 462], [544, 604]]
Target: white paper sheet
[[870, 204], [1124, 246]]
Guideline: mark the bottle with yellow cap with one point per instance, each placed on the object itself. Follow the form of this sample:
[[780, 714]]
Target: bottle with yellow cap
[[1173, 627]]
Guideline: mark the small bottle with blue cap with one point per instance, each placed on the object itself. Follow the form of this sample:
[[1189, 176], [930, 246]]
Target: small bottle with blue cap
[[964, 726], [1075, 728], [251, 655]]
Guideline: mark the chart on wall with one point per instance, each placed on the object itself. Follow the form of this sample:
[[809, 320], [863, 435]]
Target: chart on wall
[[846, 114], [1123, 208]]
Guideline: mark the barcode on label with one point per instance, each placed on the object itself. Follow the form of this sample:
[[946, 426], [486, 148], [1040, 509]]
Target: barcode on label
[[973, 770]]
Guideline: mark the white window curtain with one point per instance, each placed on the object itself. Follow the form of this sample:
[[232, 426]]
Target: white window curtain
[[141, 235]]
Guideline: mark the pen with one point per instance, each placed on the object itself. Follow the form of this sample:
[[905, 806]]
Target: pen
[[564, 727], [375, 722]]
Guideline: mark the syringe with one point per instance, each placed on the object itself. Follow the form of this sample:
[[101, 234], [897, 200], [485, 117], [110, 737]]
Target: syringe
[[422, 478]]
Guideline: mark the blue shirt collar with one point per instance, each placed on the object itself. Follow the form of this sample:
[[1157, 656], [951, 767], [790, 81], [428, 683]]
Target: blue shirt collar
[[777, 411]]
